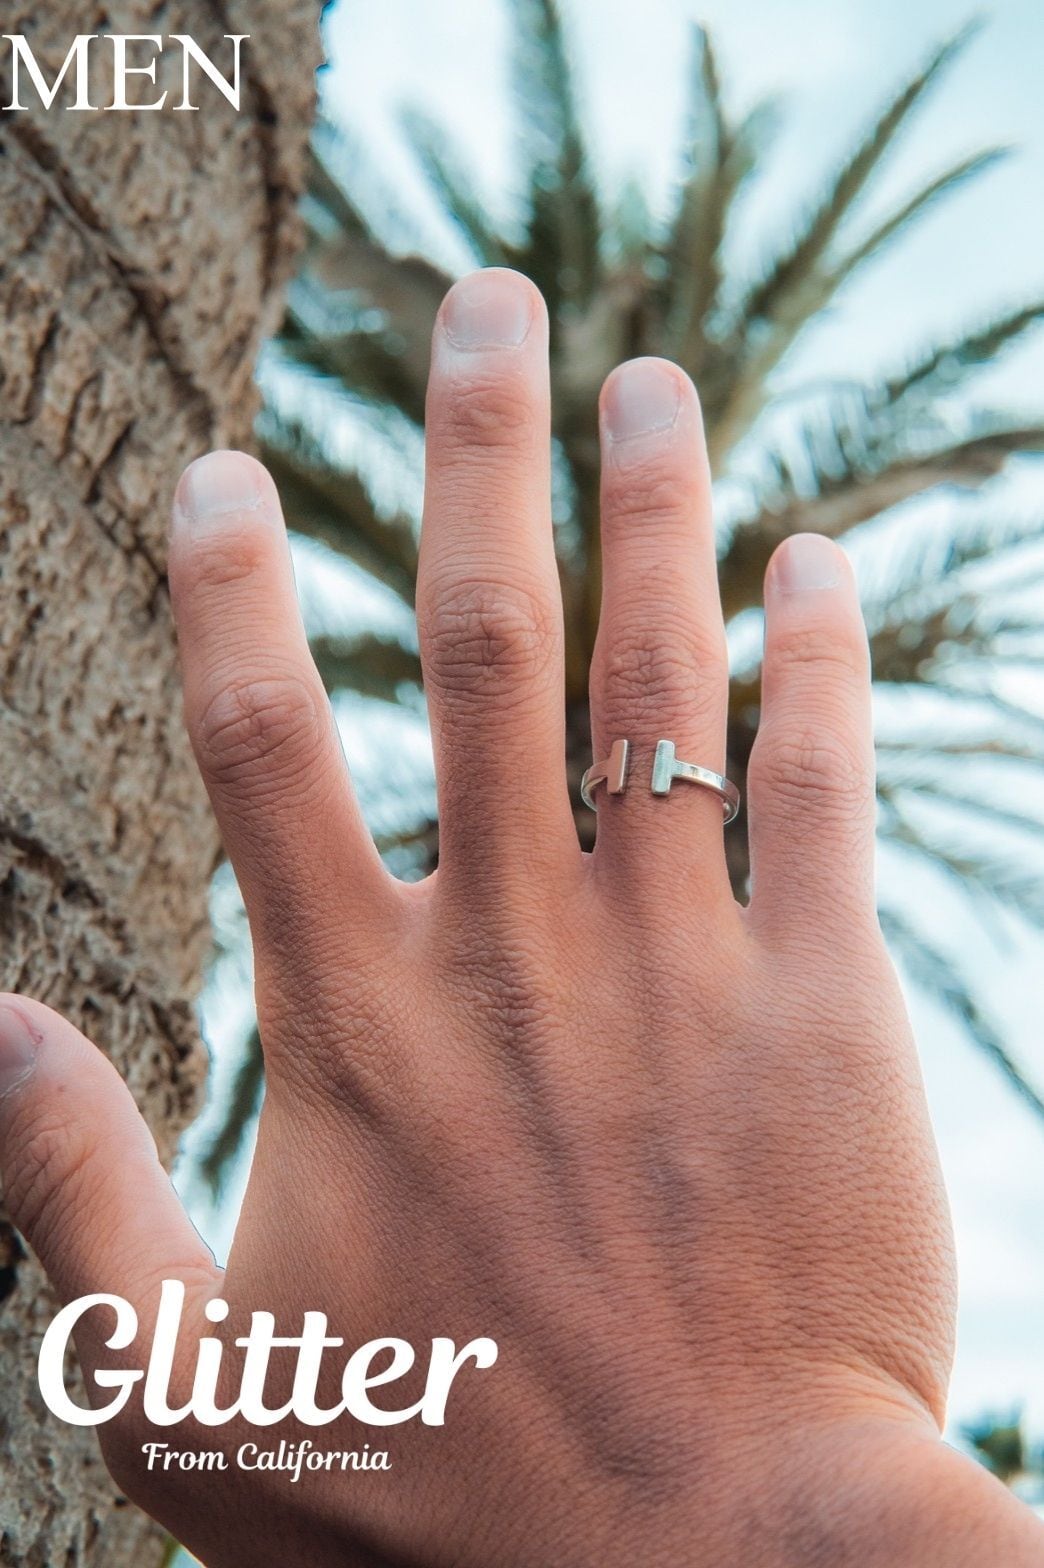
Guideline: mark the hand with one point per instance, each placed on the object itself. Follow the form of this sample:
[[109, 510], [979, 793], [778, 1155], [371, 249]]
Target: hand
[[671, 1154]]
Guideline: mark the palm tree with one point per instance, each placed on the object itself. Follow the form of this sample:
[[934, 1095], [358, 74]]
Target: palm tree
[[119, 360], [847, 461]]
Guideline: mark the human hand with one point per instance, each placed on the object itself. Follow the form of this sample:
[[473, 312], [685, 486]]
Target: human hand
[[670, 1154]]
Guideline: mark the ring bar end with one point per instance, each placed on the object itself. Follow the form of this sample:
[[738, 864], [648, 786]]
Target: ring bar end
[[612, 772], [616, 770], [663, 767]]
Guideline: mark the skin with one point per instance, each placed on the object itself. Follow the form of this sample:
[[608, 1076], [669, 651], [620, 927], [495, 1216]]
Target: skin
[[670, 1153]]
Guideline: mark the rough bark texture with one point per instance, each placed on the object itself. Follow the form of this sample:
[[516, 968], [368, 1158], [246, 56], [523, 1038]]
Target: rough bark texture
[[141, 259]]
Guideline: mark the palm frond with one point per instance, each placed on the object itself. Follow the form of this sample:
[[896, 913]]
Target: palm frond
[[359, 357], [348, 192], [934, 972], [973, 803], [243, 1102], [902, 661], [455, 191], [325, 189], [984, 878], [694, 243], [565, 226], [947, 362], [335, 506], [929, 649], [775, 296], [352, 270], [799, 281], [718, 159], [833, 476], [893, 751], [914, 207], [368, 665], [930, 593], [954, 678]]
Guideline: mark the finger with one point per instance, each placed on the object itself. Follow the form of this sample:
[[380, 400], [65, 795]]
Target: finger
[[811, 775], [259, 720], [80, 1175], [489, 607], [660, 669]]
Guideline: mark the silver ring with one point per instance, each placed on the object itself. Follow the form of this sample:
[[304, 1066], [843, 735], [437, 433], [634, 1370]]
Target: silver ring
[[667, 768], [612, 773]]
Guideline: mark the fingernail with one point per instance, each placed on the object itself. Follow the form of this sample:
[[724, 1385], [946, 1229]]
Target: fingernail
[[807, 561], [216, 487], [18, 1044], [491, 309], [642, 398]]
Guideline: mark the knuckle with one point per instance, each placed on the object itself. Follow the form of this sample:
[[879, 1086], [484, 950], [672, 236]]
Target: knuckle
[[649, 497], [829, 650], [488, 413], [259, 731], [661, 666], [483, 641], [812, 768], [48, 1162], [220, 561]]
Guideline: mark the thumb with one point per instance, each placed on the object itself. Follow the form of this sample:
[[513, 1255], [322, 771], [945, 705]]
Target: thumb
[[79, 1171]]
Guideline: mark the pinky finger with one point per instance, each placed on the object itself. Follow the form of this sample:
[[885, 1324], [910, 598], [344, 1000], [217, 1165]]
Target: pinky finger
[[811, 777]]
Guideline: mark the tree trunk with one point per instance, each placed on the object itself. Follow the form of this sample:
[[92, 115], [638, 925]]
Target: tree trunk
[[141, 260]]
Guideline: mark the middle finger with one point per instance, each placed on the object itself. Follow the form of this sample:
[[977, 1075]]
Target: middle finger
[[488, 600]]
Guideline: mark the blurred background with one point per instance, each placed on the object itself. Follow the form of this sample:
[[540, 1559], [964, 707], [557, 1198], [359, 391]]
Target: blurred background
[[833, 217]]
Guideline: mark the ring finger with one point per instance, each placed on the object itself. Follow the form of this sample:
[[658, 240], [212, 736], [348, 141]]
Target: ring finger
[[660, 669]]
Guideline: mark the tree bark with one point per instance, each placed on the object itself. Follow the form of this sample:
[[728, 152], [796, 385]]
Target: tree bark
[[141, 260]]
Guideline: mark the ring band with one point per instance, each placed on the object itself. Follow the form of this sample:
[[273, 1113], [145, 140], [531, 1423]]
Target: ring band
[[667, 768], [612, 773]]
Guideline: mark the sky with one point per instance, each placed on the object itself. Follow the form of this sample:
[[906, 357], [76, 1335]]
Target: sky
[[833, 62]]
